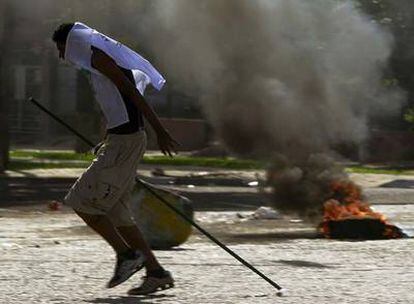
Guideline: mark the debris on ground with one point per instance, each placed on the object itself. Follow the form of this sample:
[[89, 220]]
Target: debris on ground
[[262, 213], [54, 206], [266, 213], [158, 172]]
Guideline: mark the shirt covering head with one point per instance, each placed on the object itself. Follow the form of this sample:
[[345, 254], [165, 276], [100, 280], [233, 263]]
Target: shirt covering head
[[78, 51]]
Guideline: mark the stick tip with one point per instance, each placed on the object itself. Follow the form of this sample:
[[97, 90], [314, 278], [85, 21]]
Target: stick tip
[[281, 292]]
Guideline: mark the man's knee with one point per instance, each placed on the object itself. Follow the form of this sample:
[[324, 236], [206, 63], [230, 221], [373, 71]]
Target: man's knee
[[121, 216], [122, 220], [90, 219]]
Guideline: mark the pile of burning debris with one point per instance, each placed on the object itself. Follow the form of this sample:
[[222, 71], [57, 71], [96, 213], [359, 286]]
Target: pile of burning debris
[[347, 215], [320, 189]]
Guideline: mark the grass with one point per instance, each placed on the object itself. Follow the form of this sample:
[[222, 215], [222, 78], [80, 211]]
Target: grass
[[380, 170], [228, 163], [50, 155], [37, 159]]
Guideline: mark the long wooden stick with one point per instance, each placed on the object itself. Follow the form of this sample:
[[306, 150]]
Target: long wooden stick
[[169, 205]]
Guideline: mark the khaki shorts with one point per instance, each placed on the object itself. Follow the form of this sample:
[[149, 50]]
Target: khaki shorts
[[105, 187]]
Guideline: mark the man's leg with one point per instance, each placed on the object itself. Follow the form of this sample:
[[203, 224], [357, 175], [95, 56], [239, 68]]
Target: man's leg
[[124, 223], [128, 260], [134, 238], [104, 227], [103, 181], [157, 277]]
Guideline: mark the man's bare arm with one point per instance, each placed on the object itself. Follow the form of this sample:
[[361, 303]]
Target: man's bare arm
[[108, 67]]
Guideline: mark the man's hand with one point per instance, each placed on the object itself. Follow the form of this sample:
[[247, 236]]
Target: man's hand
[[167, 144]]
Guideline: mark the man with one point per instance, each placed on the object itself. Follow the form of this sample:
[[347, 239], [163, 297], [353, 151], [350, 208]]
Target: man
[[101, 195]]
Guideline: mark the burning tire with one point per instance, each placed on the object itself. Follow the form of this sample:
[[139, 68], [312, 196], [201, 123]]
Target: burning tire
[[361, 229], [347, 216]]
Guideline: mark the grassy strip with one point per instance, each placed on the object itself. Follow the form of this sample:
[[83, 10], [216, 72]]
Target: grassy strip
[[370, 170], [228, 163], [51, 155], [16, 164], [21, 160], [63, 159]]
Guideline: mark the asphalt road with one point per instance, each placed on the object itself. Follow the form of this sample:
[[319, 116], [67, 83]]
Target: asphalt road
[[51, 257]]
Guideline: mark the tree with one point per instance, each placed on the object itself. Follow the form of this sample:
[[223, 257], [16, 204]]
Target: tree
[[397, 17], [4, 130]]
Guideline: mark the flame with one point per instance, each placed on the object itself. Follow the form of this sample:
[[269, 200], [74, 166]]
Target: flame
[[346, 202], [334, 211]]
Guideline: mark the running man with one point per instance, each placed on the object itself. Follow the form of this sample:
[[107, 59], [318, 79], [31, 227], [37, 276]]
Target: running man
[[101, 195]]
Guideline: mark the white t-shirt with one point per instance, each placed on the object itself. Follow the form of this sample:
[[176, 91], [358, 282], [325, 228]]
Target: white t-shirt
[[78, 51]]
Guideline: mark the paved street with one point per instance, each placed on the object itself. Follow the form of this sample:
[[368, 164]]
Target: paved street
[[51, 257]]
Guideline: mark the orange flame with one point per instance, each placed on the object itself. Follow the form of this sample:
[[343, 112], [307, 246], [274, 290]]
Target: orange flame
[[346, 202]]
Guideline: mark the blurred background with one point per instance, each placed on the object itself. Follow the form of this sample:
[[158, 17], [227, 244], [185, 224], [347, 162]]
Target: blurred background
[[29, 66]]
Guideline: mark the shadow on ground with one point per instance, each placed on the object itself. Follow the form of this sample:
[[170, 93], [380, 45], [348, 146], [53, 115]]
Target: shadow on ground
[[20, 191], [129, 300], [271, 236], [300, 263], [399, 183]]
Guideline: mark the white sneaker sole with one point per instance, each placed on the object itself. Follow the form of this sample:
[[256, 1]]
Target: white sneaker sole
[[161, 286]]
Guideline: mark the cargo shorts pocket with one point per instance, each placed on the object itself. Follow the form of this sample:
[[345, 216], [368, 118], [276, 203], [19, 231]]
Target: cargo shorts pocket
[[95, 191], [107, 156]]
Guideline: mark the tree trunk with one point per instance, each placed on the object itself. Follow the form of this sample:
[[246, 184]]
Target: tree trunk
[[4, 129]]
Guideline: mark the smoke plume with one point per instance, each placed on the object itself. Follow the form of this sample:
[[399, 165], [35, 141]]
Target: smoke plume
[[284, 76], [279, 79]]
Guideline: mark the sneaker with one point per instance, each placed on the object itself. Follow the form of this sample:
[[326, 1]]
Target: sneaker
[[127, 264], [153, 284]]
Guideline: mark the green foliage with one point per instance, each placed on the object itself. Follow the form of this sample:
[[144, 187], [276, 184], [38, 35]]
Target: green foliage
[[370, 170], [390, 82], [409, 117], [16, 165], [229, 163], [35, 159], [51, 155]]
